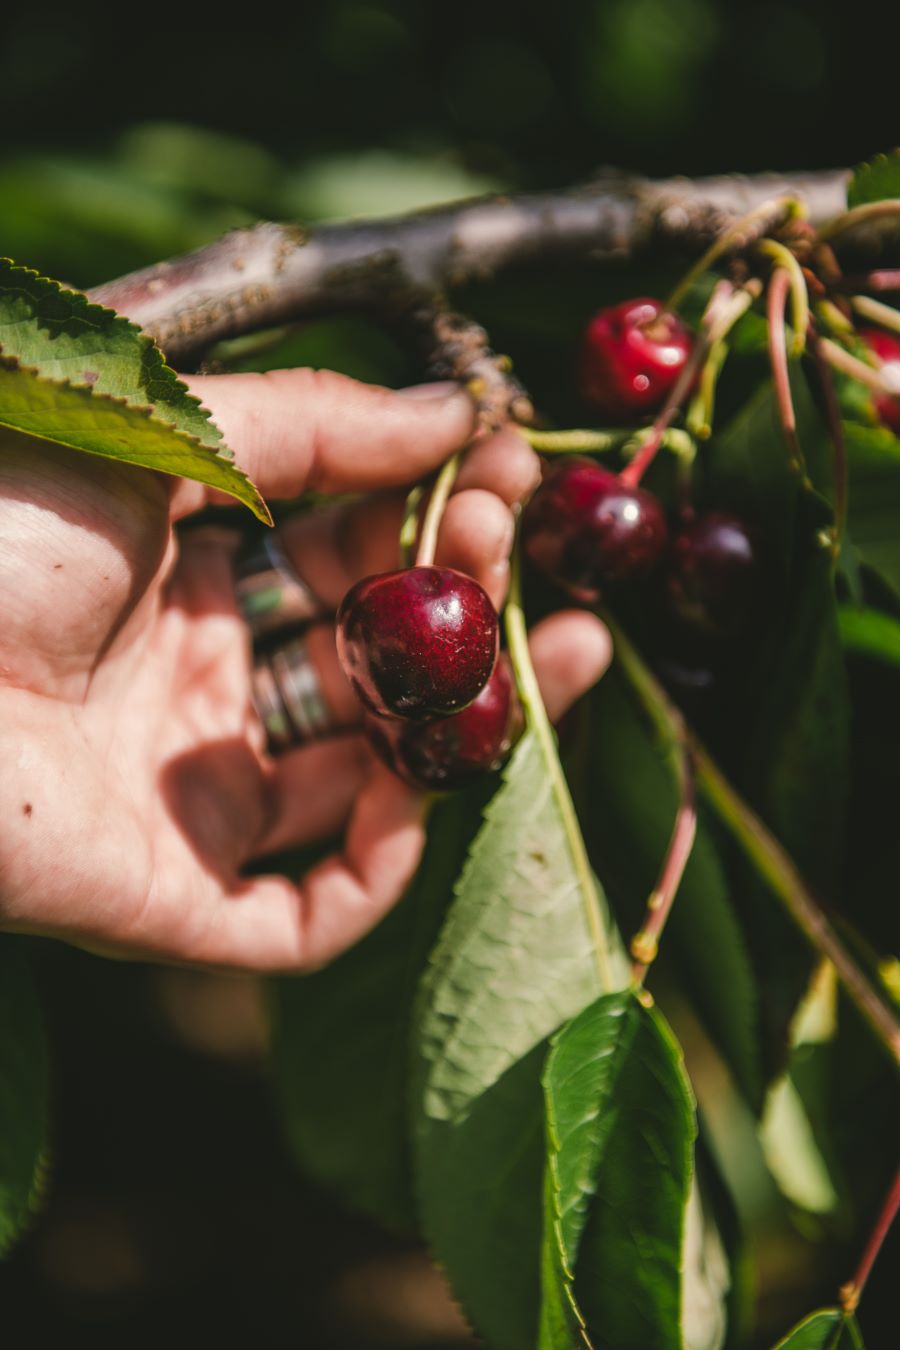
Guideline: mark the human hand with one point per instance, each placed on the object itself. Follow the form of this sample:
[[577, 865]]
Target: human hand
[[136, 785]]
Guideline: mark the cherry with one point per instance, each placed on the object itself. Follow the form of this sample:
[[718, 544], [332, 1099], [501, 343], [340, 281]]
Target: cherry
[[417, 643], [714, 576], [886, 347], [446, 753], [587, 529], [631, 356]]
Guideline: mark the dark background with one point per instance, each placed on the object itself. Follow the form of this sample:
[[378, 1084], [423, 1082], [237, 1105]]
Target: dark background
[[173, 1214]]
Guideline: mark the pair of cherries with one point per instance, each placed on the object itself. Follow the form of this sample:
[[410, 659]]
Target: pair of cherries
[[420, 648]]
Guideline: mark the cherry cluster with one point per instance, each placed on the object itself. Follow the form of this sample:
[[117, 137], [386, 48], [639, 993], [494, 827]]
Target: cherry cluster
[[420, 645], [420, 648]]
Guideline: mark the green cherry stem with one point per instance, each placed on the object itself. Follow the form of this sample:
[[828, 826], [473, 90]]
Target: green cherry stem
[[785, 261], [771, 860], [860, 215], [877, 311], [836, 433], [736, 237], [852, 1291], [571, 442], [540, 726], [435, 510]]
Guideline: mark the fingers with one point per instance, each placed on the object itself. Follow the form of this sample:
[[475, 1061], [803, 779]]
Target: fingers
[[333, 549], [271, 923], [293, 430], [570, 651], [312, 791]]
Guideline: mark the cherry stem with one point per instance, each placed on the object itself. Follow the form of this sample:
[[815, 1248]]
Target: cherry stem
[[409, 529], [860, 215], [877, 311], [569, 442], [737, 237], [645, 943], [700, 413], [773, 863], [852, 1292], [786, 262], [851, 365], [539, 724], [726, 305], [435, 510], [836, 435], [776, 299], [884, 279]]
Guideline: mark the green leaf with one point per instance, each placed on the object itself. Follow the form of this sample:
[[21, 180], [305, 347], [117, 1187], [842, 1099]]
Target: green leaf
[[633, 799], [340, 1049], [23, 1093], [875, 181], [869, 632], [516, 958], [829, 1329], [874, 502], [786, 726], [81, 375], [620, 1133]]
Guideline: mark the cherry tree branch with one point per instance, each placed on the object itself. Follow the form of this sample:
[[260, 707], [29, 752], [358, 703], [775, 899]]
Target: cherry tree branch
[[273, 274]]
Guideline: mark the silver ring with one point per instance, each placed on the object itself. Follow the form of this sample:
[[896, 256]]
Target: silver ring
[[270, 594], [288, 697]]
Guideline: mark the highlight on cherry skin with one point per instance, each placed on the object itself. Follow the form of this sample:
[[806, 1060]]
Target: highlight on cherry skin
[[631, 355], [589, 531], [447, 753], [417, 643]]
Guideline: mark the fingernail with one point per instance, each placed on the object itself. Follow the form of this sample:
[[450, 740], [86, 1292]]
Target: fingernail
[[439, 391]]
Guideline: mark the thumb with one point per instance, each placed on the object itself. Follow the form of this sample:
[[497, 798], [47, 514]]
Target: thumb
[[293, 430]]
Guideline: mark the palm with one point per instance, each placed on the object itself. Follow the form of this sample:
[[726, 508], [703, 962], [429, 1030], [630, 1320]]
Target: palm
[[137, 788]]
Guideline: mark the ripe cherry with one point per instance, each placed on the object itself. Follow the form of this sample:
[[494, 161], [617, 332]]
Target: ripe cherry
[[631, 356], [886, 347], [417, 643], [714, 576], [588, 530], [446, 753]]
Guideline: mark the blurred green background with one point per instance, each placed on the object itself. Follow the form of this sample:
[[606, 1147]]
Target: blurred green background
[[173, 1211], [127, 144]]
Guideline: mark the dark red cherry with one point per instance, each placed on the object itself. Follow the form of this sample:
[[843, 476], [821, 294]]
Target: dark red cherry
[[588, 530], [714, 577], [886, 347], [631, 356], [446, 753], [417, 643]]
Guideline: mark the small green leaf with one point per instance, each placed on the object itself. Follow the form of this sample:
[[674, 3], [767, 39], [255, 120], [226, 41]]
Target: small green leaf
[[51, 336], [23, 1093], [340, 1050], [875, 181], [515, 959], [829, 1329], [620, 1132], [633, 799]]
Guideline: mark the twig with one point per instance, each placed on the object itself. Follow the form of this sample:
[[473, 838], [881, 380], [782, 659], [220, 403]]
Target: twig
[[272, 274], [852, 1292]]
